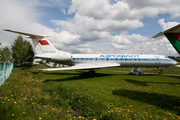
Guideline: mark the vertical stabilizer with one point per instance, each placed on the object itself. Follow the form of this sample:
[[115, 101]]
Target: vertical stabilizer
[[41, 44], [174, 39]]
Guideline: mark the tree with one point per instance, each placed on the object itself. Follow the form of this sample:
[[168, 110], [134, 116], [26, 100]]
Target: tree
[[22, 52], [5, 55]]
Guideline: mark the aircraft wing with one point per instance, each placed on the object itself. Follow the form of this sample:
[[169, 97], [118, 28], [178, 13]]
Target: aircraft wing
[[174, 29], [82, 67]]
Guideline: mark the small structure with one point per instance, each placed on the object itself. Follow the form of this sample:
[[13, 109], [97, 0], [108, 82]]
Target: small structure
[[5, 71]]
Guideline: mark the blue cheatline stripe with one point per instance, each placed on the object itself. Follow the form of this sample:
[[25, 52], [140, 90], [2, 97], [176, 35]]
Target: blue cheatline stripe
[[119, 59]]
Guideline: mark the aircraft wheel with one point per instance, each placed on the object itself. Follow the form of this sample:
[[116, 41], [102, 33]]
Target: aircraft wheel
[[93, 73], [160, 73], [90, 74]]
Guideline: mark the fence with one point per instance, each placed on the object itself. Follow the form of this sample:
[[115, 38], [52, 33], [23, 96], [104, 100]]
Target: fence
[[5, 71]]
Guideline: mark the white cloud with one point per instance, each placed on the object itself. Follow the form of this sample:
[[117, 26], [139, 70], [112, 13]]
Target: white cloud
[[69, 26], [170, 49], [81, 24], [151, 8], [48, 3], [80, 49], [100, 9], [93, 21], [125, 41], [63, 11], [137, 37], [66, 41], [154, 49], [14, 15], [65, 38], [125, 9], [121, 47], [101, 35], [167, 25], [121, 39], [100, 15], [57, 29]]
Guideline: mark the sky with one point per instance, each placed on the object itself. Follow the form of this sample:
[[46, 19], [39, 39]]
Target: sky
[[93, 26]]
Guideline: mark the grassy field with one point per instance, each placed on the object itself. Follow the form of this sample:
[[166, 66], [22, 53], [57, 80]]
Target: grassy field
[[112, 95]]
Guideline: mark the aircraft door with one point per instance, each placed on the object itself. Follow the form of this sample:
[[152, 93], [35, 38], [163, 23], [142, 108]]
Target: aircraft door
[[157, 61]]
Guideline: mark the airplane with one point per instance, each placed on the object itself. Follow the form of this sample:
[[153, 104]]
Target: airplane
[[93, 62], [173, 35]]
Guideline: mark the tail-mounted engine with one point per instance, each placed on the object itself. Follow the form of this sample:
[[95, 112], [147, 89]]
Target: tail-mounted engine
[[61, 57]]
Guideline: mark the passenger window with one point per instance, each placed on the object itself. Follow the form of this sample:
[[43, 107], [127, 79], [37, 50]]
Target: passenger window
[[86, 58]]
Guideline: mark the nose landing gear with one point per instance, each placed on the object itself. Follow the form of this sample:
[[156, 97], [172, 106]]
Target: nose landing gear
[[160, 73]]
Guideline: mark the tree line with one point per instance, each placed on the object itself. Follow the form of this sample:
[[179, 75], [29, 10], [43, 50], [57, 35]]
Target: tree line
[[21, 53]]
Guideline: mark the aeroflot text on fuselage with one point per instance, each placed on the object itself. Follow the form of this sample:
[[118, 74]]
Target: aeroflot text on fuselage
[[120, 56]]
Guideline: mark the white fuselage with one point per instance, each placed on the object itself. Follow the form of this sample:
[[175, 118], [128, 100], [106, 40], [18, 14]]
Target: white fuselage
[[128, 60]]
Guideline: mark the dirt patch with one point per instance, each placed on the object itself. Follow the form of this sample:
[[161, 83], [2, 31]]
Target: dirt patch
[[74, 113]]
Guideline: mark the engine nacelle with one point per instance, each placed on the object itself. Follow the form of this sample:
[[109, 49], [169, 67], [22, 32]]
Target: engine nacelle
[[61, 57]]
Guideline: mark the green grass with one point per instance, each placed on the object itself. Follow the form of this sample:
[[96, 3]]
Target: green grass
[[113, 94]]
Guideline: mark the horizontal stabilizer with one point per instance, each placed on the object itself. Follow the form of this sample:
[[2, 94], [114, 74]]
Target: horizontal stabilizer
[[27, 34], [81, 67]]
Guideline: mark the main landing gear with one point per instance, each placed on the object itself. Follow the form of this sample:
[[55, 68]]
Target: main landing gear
[[90, 73]]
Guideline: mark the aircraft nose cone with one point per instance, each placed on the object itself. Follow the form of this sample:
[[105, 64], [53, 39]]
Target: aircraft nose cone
[[175, 63]]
